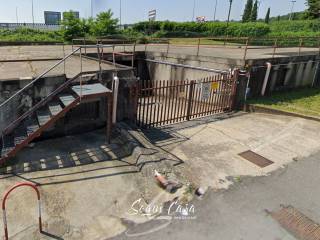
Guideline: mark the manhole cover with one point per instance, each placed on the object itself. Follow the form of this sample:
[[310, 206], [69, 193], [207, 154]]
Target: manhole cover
[[256, 159], [297, 223]]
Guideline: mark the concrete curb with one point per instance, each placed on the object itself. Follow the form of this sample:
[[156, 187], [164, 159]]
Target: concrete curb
[[253, 108]]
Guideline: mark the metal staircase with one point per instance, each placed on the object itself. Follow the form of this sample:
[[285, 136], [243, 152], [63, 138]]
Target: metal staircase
[[24, 127]]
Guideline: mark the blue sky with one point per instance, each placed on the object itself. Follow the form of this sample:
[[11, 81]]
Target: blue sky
[[137, 10]]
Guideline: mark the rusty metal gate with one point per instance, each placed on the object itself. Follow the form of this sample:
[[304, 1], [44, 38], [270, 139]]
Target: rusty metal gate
[[168, 102]]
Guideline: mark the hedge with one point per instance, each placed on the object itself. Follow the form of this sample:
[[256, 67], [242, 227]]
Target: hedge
[[207, 28]]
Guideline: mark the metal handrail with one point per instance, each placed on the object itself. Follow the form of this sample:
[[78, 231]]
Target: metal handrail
[[40, 76]]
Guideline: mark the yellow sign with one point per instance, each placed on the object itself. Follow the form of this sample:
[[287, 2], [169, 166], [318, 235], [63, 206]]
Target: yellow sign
[[214, 86]]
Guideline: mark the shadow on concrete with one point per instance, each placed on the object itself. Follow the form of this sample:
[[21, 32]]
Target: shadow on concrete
[[168, 135], [51, 235]]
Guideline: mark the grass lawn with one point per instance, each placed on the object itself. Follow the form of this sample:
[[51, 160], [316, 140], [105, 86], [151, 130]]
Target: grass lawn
[[304, 101]]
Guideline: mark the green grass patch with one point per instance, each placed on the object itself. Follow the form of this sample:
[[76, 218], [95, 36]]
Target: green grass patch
[[303, 101]]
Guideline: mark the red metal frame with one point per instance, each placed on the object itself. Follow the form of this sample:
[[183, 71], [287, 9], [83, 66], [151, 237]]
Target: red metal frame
[[5, 196]]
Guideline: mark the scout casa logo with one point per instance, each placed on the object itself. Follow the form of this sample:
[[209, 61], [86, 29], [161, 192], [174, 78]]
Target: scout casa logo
[[175, 210]]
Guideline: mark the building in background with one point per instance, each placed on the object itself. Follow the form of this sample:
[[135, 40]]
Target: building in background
[[52, 18], [75, 13]]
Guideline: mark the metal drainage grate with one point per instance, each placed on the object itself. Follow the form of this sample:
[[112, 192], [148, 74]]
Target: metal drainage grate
[[256, 159], [297, 223]]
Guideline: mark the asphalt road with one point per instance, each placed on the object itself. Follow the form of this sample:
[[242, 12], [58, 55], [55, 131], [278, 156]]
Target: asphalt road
[[239, 212]]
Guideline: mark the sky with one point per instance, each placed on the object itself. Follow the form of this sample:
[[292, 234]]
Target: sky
[[137, 10]]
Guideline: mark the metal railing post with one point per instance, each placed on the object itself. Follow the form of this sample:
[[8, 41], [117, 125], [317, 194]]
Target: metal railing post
[[80, 73], [190, 98], [99, 57], [64, 62], [246, 50], [85, 49], [133, 53], [275, 47], [300, 46], [319, 46], [168, 47], [113, 57], [198, 50]]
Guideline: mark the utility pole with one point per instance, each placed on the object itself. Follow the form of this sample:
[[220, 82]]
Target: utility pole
[[292, 6], [32, 13], [215, 10], [91, 9], [230, 6], [194, 9], [17, 18], [120, 13]]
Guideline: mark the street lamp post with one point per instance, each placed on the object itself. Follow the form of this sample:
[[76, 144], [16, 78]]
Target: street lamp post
[[91, 8], [215, 10], [230, 6], [32, 13], [120, 13], [292, 6], [194, 9]]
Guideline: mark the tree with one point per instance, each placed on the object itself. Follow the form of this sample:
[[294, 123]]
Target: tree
[[247, 11], [254, 12], [313, 9], [267, 18], [72, 26], [104, 24]]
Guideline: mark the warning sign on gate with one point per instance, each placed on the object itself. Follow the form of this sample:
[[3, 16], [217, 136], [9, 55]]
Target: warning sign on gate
[[206, 90], [214, 86]]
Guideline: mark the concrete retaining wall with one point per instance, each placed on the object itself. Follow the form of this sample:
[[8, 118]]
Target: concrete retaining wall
[[85, 117]]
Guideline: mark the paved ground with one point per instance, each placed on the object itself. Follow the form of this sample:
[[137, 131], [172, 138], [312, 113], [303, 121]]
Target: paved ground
[[239, 213], [89, 187], [29, 68], [212, 147]]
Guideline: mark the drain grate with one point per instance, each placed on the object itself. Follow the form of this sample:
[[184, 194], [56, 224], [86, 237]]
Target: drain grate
[[297, 223], [256, 159]]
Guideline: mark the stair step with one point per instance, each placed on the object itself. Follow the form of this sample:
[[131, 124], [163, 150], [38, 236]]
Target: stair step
[[31, 126], [66, 99], [8, 144], [43, 117], [55, 108], [20, 134], [19, 140]]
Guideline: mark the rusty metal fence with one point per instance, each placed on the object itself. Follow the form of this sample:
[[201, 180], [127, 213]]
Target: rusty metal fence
[[168, 102]]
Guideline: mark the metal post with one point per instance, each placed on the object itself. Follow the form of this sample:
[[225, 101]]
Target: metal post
[[99, 57], [133, 53], [113, 57], [300, 46], [80, 74], [275, 47], [319, 46], [230, 6], [115, 99], [168, 46], [215, 10], [190, 98], [246, 49], [32, 14], [198, 50], [85, 48], [315, 75], [64, 62], [109, 117]]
